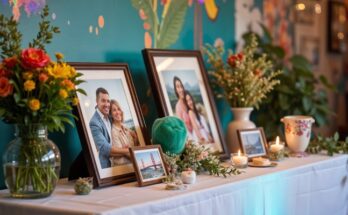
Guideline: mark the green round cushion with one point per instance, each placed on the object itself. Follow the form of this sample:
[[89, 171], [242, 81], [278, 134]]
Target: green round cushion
[[170, 132]]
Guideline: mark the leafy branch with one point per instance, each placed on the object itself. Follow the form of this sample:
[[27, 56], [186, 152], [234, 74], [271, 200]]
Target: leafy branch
[[330, 144], [45, 34], [10, 37]]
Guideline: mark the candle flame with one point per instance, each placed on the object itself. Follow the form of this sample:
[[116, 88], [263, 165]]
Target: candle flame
[[239, 152], [277, 140]]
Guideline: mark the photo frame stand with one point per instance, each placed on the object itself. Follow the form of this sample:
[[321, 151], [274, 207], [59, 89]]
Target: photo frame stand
[[78, 168]]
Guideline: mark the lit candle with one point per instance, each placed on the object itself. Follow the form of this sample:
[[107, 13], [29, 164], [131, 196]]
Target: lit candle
[[277, 147], [239, 160]]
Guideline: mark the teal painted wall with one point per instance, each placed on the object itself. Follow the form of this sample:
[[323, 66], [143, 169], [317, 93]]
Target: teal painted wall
[[121, 40]]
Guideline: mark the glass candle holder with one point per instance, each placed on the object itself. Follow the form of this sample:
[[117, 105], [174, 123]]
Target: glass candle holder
[[239, 160], [276, 151]]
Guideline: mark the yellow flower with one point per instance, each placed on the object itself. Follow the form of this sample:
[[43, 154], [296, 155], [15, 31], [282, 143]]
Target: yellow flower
[[27, 75], [75, 101], [29, 85], [34, 104], [59, 56], [59, 70], [63, 93]]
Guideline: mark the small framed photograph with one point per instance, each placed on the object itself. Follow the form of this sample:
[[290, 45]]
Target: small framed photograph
[[252, 142], [149, 164], [180, 87], [109, 121]]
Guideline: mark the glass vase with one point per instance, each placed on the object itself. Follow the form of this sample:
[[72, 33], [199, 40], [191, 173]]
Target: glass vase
[[31, 163]]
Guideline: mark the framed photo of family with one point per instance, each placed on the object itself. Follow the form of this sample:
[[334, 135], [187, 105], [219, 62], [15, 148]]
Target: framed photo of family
[[109, 121], [180, 86], [149, 164], [253, 142]]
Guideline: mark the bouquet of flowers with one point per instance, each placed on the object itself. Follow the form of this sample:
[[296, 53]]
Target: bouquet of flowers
[[199, 159], [244, 80], [35, 93]]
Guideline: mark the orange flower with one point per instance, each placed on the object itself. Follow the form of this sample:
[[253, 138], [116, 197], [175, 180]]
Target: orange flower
[[34, 104], [69, 85], [27, 75], [5, 87], [59, 56], [29, 85], [147, 26], [43, 77]]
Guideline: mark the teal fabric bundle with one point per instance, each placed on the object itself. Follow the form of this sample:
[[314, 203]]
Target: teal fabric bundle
[[170, 132]]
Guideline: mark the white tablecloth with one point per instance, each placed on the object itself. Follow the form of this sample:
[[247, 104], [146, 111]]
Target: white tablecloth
[[315, 185]]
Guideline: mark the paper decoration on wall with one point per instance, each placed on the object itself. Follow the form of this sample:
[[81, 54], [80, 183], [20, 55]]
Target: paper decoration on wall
[[161, 31], [101, 24], [211, 9], [30, 7], [248, 17], [276, 18]]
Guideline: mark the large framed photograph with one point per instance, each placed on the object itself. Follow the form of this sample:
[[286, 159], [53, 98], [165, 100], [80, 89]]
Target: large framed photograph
[[253, 142], [180, 86], [109, 121], [149, 164]]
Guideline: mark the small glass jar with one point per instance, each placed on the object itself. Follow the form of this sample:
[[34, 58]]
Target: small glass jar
[[239, 160], [276, 151]]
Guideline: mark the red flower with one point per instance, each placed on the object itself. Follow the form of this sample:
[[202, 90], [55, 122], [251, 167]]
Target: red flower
[[10, 62], [240, 56], [231, 60], [34, 58], [5, 73], [5, 87]]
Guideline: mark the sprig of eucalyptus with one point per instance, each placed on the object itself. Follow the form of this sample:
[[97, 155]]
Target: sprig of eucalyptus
[[11, 38], [330, 144]]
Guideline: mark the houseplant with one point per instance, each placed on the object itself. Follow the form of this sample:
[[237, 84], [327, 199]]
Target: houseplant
[[243, 80], [36, 94], [300, 92]]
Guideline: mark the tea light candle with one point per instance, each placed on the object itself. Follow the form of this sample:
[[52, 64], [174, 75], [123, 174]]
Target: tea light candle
[[277, 147], [239, 160], [276, 151]]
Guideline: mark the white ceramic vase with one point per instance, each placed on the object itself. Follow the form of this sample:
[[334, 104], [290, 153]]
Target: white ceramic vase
[[298, 133], [241, 121]]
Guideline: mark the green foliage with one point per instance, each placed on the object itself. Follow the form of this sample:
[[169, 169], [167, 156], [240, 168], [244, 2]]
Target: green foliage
[[165, 30], [243, 79], [46, 31], [198, 159], [297, 93], [10, 37], [330, 144]]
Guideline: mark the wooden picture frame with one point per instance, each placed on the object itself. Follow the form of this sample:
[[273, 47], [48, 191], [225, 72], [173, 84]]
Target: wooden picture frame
[[253, 142], [149, 164], [117, 80], [167, 69], [337, 25]]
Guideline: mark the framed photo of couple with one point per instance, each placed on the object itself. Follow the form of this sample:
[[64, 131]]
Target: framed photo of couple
[[180, 86], [110, 121]]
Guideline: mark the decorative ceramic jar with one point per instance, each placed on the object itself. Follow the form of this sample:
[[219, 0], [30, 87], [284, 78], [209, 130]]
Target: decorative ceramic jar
[[241, 121], [298, 133], [31, 163], [188, 177]]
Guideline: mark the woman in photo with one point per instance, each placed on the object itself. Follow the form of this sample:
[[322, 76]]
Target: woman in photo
[[181, 109], [121, 137], [199, 125]]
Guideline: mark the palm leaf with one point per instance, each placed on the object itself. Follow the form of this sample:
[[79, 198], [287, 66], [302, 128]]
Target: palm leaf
[[172, 24], [146, 6]]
